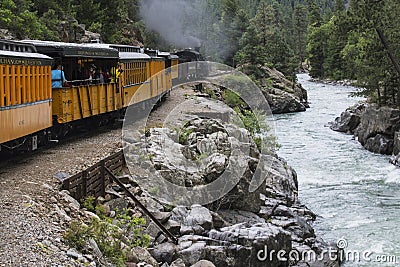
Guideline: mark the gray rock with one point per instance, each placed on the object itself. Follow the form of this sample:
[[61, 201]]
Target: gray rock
[[144, 256], [206, 146], [192, 254], [164, 252], [396, 143], [61, 213], [117, 204], [218, 221], [74, 254], [179, 214], [239, 216], [162, 216], [201, 216], [153, 230], [203, 263], [173, 226], [350, 119], [283, 95], [249, 240], [186, 230], [151, 204], [379, 144], [376, 120], [73, 203], [374, 127], [215, 165], [281, 180], [282, 102], [178, 263], [61, 176]]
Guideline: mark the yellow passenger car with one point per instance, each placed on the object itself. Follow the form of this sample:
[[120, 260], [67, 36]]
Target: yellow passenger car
[[25, 95], [136, 67]]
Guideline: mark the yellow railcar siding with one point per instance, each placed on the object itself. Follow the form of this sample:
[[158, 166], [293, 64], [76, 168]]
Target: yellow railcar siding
[[2, 87], [24, 84], [7, 85], [70, 104], [17, 88], [174, 68], [19, 122], [135, 74], [12, 85]]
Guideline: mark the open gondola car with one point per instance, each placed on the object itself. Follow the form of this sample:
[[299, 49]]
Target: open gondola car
[[84, 97]]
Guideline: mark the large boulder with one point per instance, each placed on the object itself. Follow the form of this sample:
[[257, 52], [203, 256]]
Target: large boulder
[[379, 144], [375, 127], [200, 153], [282, 102], [350, 119], [378, 120], [242, 244], [282, 94], [396, 143]]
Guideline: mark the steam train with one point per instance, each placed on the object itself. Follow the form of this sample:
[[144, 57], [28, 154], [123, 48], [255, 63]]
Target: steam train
[[32, 112]]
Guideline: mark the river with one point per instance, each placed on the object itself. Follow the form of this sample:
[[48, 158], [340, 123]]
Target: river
[[356, 193]]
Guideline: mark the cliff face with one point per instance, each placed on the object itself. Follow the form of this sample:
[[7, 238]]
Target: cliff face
[[376, 128]]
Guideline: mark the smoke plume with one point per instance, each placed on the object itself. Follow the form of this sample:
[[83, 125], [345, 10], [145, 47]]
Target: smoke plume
[[172, 19]]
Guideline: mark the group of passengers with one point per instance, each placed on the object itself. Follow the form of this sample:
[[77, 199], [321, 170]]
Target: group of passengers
[[93, 75]]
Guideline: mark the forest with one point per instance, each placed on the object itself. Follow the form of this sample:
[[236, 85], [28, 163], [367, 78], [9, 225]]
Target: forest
[[332, 39]]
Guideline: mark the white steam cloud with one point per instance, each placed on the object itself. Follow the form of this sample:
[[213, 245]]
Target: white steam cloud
[[172, 19]]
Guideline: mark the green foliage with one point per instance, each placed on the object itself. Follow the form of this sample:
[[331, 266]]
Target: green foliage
[[263, 41], [210, 92], [346, 45], [232, 99], [108, 234], [255, 122], [89, 203], [184, 135]]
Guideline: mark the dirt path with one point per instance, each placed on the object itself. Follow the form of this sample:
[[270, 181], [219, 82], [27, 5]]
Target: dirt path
[[30, 227]]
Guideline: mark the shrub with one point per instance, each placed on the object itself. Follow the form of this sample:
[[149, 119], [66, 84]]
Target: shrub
[[232, 99], [108, 233]]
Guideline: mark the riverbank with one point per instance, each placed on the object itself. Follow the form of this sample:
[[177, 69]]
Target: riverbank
[[376, 128]]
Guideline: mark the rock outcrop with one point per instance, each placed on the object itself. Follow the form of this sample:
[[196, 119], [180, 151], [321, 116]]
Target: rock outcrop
[[201, 154], [376, 128], [283, 95], [71, 31], [243, 227]]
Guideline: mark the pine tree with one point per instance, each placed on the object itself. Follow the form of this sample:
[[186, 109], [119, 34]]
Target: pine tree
[[300, 31], [316, 41], [337, 33], [263, 43]]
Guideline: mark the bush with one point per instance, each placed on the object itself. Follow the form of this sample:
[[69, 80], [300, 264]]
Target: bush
[[108, 233], [232, 99]]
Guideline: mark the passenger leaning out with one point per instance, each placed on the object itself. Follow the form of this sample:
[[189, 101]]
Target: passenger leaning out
[[119, 71], [58, 77]]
